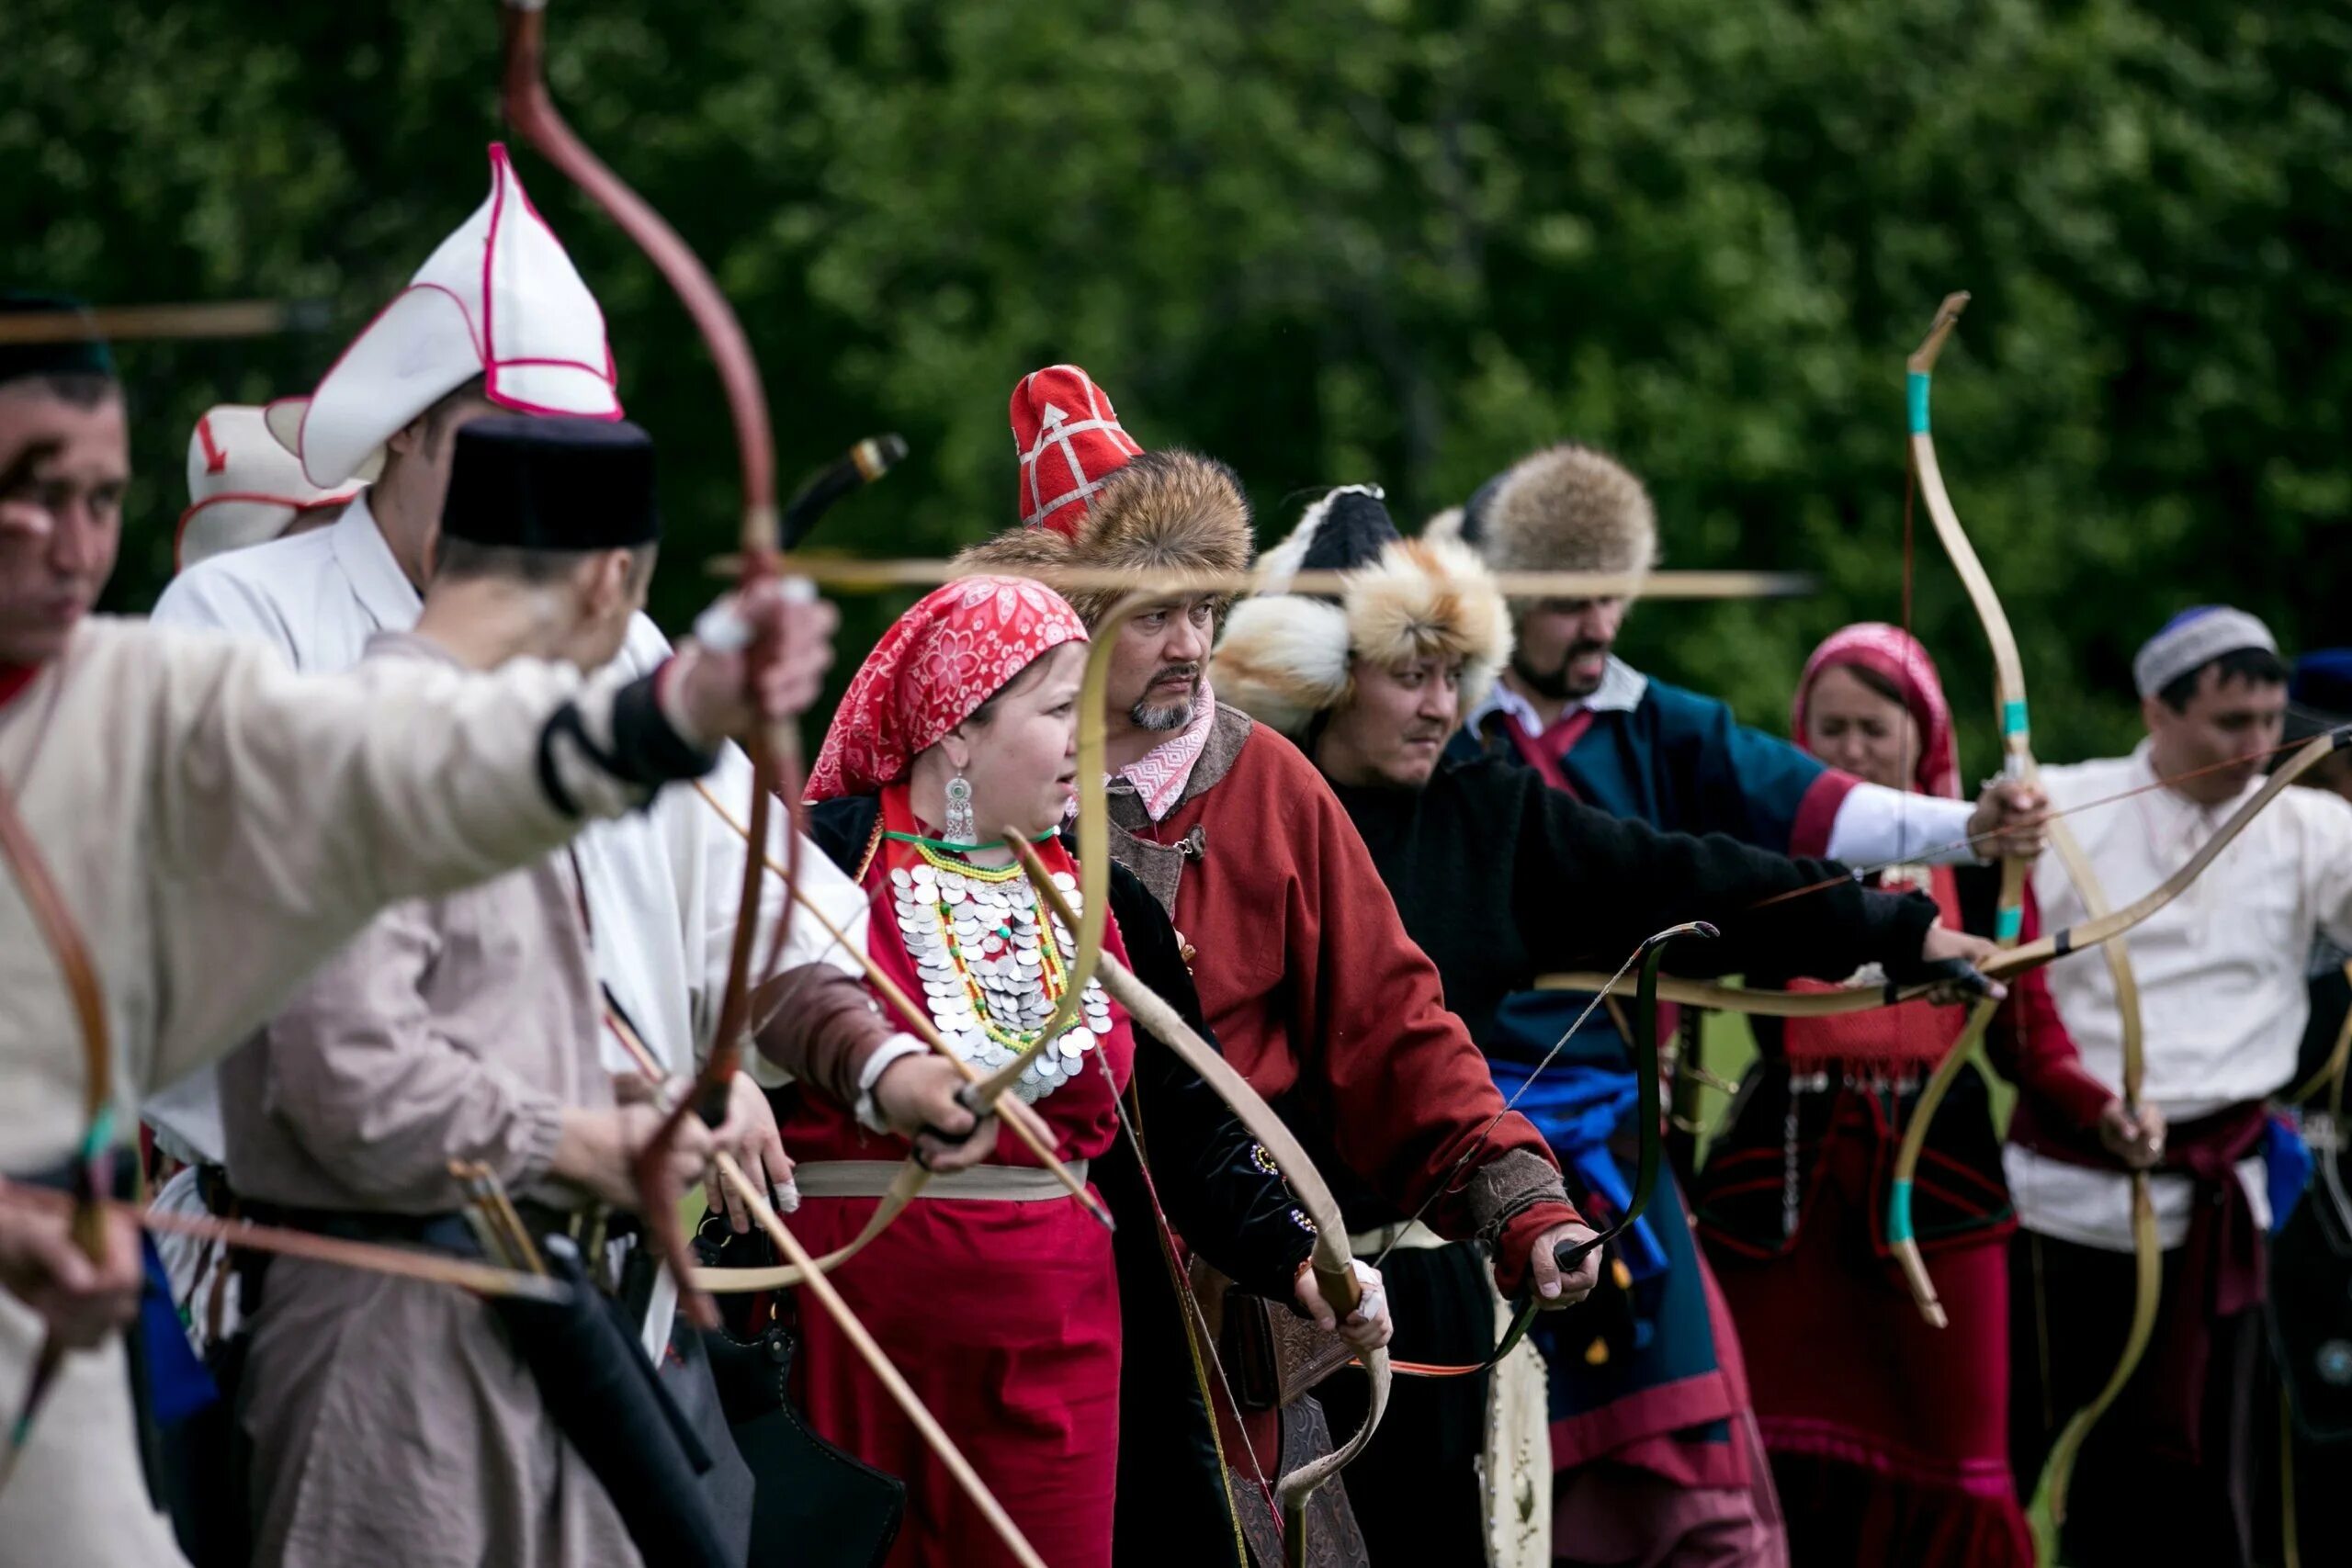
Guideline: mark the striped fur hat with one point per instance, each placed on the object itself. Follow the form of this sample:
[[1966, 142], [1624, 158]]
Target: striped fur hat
[[1284, 657]]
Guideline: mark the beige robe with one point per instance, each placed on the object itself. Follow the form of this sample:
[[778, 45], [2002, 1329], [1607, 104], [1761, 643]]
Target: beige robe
[[219, 826], [390, 1421]]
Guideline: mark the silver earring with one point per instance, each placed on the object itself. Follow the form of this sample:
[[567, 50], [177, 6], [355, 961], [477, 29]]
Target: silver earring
[[960, 832]]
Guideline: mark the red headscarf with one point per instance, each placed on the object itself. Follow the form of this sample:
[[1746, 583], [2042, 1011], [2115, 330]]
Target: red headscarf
[[1894, 654], [958, 647]]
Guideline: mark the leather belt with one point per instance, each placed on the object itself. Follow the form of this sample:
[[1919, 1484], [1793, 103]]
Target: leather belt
[[987, 1184]]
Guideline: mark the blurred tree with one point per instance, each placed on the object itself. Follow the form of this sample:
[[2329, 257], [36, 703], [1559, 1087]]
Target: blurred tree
[[1401, 240]]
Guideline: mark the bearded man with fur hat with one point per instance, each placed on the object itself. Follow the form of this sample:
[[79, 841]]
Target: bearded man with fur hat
[[1306, 977], [1498, 879], [1684, 1476]]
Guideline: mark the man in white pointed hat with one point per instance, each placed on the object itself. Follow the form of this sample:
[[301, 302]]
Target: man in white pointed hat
[[498, 319]]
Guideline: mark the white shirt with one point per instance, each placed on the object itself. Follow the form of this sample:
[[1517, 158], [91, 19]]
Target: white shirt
[[1874, 826], [2222, 971], [661, 885]]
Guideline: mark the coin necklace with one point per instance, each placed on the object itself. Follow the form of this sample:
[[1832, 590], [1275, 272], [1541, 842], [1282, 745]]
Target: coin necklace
[[989, 977]]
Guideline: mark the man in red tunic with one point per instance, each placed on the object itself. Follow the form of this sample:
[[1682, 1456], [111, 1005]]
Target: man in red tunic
[[1306, 974]]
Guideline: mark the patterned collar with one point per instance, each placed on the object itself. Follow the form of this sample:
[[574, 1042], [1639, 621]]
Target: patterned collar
[[1621, 690], [1160, 776]]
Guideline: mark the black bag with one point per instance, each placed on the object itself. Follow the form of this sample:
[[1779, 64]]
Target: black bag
[[2310, 1291], [814, 1505], [606, 1398]]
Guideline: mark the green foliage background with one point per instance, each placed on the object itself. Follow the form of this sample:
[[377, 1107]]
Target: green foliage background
[[1339, 240]]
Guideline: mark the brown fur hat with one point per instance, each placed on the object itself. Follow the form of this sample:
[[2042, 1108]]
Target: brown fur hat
[[1165, 511], [1567, 508]]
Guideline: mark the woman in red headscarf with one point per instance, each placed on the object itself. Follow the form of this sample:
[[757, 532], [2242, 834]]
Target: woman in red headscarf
[[1888, 1437], [995, 1293]]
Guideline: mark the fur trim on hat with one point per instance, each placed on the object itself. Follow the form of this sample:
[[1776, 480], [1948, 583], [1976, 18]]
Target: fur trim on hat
[[1431, 596], [1285, 658], [1569, 508], [1446, 524], [1170, 510]]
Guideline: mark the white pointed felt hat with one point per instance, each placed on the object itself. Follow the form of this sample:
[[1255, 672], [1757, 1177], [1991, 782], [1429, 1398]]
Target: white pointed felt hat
[[500, 300], [243, 487]]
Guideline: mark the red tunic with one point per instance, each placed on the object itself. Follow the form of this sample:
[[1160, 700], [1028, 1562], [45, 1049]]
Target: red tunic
[[1306, 974], [1003, 1316]]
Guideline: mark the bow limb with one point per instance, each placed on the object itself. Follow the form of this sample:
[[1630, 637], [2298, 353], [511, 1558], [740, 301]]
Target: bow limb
[[1093, 855], [2017, 765], [1649, 1072], [879, 1364], [93, 1166], [1333, 1262], [1015, 1112], [775, 753]]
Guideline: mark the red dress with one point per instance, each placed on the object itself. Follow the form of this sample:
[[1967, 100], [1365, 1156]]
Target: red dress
[[1004, 1316], [1889, 1438]]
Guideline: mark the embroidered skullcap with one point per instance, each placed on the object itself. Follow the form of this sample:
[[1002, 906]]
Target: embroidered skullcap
[[2193, 639], [958, 647], [551, 484]]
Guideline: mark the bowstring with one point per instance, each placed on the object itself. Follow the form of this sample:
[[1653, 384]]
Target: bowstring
[[1197, 1329], [1480, 1142]]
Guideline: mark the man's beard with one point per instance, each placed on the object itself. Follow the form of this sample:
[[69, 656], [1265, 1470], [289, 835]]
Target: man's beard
[[1159, 719], [1555, 684]]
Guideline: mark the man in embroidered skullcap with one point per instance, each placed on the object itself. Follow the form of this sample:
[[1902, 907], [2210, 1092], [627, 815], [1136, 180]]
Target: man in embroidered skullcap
[[498, 319], [245, 487], [1316, 993], [1567, 708], [1499, 879], [210, 827], [2221, 974]]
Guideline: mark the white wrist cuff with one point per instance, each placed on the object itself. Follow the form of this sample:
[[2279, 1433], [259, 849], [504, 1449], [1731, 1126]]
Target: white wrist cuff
[[889, 1051]]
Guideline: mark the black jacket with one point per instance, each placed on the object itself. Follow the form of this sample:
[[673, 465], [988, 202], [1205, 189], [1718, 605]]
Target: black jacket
[[1501, 878]]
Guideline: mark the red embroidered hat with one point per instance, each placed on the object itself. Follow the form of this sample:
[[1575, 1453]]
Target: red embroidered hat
[[1069, 441]]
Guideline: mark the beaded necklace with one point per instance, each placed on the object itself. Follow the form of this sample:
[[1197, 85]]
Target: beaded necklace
[[989, 979]]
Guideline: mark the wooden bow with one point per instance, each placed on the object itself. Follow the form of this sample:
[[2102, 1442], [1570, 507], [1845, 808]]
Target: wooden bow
[[775, 752], [1333, 1262], [94, 1163], [2018, 766], [2007, 964]]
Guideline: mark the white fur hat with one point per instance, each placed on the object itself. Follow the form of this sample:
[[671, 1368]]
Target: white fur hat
[[500, 300]]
